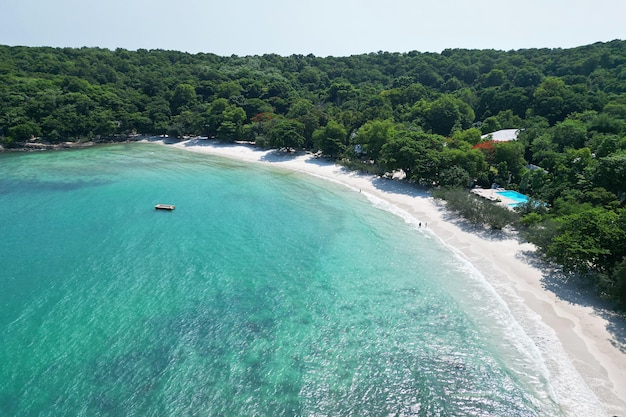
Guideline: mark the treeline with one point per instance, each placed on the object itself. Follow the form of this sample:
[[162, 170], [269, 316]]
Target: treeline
[[422, 113]]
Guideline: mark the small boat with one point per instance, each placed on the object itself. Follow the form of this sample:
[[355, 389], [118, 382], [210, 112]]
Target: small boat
[[165, 207]]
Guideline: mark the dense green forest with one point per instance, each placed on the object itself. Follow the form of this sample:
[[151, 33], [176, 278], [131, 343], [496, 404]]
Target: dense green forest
[[423, 113]]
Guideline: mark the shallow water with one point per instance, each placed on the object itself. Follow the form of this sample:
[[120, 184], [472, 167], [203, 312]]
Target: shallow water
[[264, 293]]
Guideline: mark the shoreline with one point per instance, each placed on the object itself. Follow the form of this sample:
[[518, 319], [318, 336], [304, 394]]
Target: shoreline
[[558, 320]]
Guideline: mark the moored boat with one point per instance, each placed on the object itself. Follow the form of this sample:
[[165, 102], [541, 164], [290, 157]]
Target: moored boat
[[165, 207]]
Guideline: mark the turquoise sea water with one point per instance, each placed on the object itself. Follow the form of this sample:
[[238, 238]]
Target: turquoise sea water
[[265, 293]]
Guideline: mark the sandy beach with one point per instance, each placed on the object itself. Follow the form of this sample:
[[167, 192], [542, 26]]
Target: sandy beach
[[559, 320]]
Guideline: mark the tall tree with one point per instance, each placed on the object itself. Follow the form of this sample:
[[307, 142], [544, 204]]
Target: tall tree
[[593, 240], [373, 135], [330, 139], [286, 134], [448, 113]]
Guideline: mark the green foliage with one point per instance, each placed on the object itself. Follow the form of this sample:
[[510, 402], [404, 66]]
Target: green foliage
[[475, 209], [471, 136], [509, 158], [605, 123], [490, 124], [331, 139], [24, 131], [454, 176], [231, 126], [540, 233], [551, 99], [569, 134], [610, 173], [446, 114], [184, 97], [401, 153], [531, 219], [592, 240], [508, 120], [286, 134], [471, 161], [373, 135], [418, 154]]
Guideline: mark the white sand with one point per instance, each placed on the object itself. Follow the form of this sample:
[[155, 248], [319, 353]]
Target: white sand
[[560, 322]]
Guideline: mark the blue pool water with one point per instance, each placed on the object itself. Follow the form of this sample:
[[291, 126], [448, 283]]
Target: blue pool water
[[514, 195]]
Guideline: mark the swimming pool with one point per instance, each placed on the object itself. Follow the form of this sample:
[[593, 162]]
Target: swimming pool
[[514, 195]]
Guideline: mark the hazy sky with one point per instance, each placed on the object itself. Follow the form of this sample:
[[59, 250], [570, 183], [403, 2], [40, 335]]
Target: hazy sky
[[322, 27]]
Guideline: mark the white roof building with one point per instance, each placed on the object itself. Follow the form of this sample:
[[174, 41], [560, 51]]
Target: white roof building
[[503, 135]]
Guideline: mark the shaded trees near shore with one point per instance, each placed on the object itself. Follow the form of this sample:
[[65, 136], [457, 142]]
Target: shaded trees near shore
[[476, 210]]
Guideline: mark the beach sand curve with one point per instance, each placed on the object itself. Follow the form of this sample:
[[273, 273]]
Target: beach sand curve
[[558, 320]]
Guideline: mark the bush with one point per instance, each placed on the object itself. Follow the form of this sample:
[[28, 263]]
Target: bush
[[531, 219], [475, 209], [498, 217]]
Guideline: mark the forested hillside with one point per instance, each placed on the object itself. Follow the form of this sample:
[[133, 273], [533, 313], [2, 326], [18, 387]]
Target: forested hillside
[[423, 113]]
